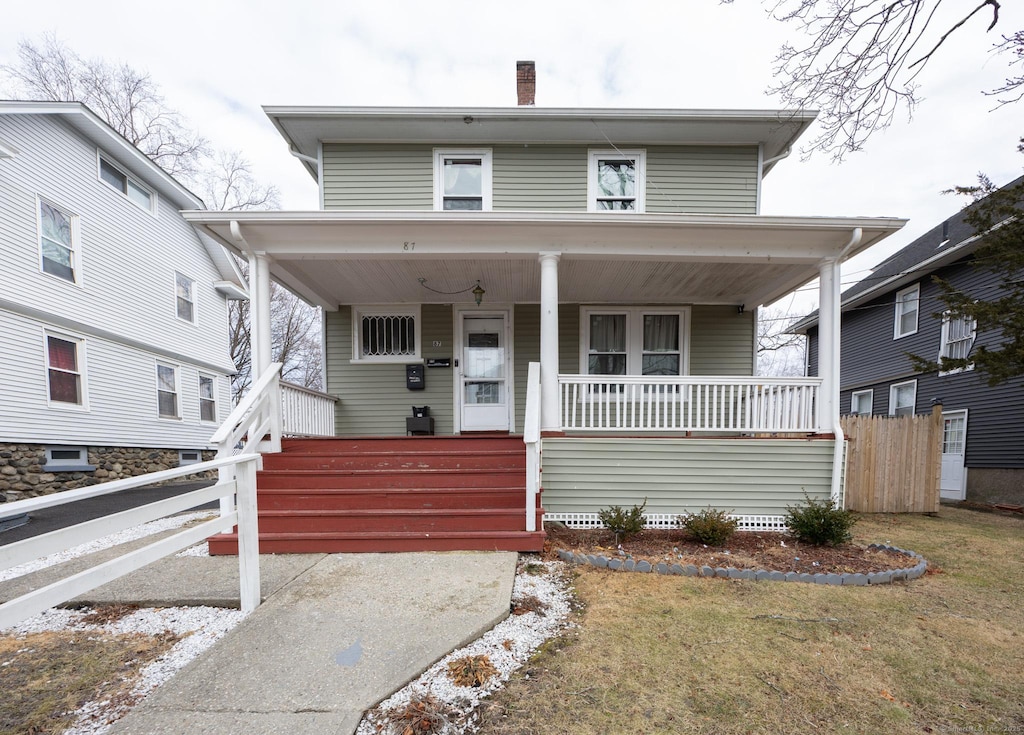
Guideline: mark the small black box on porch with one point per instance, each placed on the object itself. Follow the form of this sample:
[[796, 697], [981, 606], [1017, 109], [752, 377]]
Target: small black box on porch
[[420, 422], [414, 379], [420, 411]]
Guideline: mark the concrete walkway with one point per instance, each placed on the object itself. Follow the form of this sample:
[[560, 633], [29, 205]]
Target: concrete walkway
[[335, 635]]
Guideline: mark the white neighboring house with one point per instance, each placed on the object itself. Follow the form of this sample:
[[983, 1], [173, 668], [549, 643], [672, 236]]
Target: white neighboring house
[[113, 308]]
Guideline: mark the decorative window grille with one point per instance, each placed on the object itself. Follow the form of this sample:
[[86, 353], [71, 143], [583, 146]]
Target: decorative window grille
[[387, 335]]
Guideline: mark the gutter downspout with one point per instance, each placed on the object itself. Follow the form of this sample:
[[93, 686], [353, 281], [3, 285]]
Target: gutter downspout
[[839, 450]]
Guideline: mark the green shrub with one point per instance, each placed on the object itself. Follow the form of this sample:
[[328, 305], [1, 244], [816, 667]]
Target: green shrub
[[711, 527], [820, 522], [623, 523]]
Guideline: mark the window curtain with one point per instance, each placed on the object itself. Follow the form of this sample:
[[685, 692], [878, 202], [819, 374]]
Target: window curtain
[[661, 333]]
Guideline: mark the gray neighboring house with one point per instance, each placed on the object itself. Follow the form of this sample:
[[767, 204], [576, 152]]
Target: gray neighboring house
[[112, 306], [896, 311]]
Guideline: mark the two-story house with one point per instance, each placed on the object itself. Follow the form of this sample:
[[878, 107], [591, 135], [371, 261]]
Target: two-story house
[[113, 308], [895, 312], [619, 253]]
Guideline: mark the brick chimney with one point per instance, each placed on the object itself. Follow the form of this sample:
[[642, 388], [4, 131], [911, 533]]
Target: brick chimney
[[526, 82]]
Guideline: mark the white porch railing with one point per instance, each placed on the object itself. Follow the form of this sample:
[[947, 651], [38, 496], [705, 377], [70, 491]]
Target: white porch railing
[[306, 412], [688, 403], [531, 436], [251, 425]]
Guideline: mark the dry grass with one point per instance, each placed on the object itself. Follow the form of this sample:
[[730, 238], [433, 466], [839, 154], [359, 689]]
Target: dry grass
[[689, 655], [48, 676]]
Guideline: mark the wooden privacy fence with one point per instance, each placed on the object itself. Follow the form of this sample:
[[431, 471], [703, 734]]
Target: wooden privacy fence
[[893, 463]]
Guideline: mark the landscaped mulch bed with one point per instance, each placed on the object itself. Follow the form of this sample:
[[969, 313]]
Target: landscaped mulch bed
[[744, 550]]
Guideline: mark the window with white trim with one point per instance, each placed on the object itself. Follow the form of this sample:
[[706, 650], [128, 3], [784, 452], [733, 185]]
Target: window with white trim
[[616, 180], [207, 398], [128, 185], [386, 334], [462, 179], [67, 459], [903, 398], [907, 309], [64, 370], [634, 341], [861, 402], [189, 456], [58, 242], [168, 405], [185, 297], [958, 335]]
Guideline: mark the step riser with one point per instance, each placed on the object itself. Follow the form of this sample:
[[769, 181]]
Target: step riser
[[402, 461], [450, 444], [382, 500], [315, 479], [385, 524]]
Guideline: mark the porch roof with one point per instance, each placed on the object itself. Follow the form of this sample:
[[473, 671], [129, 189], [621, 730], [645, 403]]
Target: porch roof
[[353, 257]]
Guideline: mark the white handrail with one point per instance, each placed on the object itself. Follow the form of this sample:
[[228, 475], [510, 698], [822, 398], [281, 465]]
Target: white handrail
[[255, 394], [531, 437]]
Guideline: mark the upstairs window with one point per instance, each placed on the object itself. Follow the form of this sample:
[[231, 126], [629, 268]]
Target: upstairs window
[[903, 398], [386, 334], [184, 291], [616, 181], [462, 180], [58, 242], [634, 341], [127, 185], [861, 402], [207, 399], [907, 309], [64, 370], [168, 406], [958, 335]]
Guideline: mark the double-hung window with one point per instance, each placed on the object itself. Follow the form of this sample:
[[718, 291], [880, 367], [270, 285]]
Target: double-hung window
[[185, 298], [127, 185], [615, 181], [58, 236], [207, 398], [385, 334], [958, 335], [168, 405], [861, 402], [462, 179], [634, 341], [64, 370], [903, 398], [907, 309]]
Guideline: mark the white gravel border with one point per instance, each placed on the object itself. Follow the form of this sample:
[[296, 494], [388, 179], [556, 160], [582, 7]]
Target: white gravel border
[[526, 633]]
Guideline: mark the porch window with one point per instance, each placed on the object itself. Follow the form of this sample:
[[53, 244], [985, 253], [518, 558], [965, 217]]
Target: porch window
[[168, 405], [64, 370], [634, 341], [903, 398], [386, 334], [462, 180], [615, 181], [958, 335], [861, 402], [58, 238], [907, 309]]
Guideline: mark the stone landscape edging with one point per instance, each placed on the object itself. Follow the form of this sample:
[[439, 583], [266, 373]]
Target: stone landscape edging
[[692, 570]]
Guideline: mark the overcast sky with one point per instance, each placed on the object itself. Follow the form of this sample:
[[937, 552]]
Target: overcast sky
[[218, 62]]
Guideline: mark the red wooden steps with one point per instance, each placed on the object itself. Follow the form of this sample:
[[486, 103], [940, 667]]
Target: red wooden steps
[[392, 494]]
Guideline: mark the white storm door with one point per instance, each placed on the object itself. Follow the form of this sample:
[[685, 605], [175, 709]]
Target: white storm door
[[954, 444], [484, 373]]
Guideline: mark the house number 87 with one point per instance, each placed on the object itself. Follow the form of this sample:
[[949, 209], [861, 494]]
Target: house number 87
[[408, 246]]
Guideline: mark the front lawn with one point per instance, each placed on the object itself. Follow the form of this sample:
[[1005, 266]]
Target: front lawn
[[672, 654]]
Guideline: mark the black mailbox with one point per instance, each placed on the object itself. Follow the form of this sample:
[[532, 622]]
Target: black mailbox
[[414, 377]]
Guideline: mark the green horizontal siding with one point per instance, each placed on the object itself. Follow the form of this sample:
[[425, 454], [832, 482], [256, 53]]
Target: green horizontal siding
[[702, 179], [742, 476], [373, 398], [373, 176], [721, 341], [544, 177]]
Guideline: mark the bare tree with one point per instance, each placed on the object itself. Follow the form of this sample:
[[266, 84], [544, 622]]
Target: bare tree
[[126, 98], [862, 60], [779, 351], [227, 183]]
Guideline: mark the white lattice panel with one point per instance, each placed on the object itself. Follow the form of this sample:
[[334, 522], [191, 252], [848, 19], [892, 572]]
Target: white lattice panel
[[666, 521]]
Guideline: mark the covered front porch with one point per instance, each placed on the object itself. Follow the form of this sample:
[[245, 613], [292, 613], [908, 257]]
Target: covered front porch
[[595, 427]]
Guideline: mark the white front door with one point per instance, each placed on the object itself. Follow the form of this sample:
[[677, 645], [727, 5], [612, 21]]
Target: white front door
[[954, 443], [484, 391]]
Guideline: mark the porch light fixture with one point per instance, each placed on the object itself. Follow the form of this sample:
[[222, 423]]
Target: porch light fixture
[[477, 291]]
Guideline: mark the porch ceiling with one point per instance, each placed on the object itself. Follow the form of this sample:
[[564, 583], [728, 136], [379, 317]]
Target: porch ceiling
[[333, 258]]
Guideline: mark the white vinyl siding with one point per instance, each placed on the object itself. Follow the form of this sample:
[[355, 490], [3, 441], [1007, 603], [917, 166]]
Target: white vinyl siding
[[903, 398], [861, 402], [907, 311], [958, 334]]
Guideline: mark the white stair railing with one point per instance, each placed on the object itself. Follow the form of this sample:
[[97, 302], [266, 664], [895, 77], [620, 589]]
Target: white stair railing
[[306, 412], [531, 436]]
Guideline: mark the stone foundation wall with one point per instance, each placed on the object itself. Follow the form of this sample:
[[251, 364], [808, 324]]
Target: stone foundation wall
[[23, 473]]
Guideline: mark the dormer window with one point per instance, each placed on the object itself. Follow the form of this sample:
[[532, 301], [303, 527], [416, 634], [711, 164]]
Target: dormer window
[[462, 180], [616, 181], [127, 185]]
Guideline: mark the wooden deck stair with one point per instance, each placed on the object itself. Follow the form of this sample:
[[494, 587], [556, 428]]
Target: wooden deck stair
[[392, 494]]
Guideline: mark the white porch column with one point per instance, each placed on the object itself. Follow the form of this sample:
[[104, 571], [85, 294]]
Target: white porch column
[[828, 345], [549, 414], [259, 313]]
